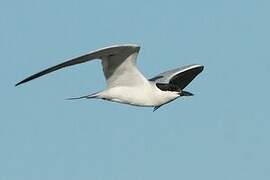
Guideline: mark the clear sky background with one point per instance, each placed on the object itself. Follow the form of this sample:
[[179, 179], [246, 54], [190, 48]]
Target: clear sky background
[[220, 133]]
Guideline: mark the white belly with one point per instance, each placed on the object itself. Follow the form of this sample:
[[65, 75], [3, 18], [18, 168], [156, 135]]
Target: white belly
[[138, 96]]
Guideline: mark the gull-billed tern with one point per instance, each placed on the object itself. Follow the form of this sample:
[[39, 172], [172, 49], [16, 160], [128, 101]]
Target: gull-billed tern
[[126, 84]]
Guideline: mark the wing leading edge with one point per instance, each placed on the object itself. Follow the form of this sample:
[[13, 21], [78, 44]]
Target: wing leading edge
[[179, 77], [98, 54]]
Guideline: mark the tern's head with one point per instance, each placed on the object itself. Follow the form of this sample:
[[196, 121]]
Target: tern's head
[[167, 96], [173, 89], [179, 93]]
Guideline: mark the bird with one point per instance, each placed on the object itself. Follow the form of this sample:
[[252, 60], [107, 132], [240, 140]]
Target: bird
[[125, 83]]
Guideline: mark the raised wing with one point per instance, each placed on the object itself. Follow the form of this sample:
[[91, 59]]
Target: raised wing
[[120, 69], [179, 77], [113, 61]]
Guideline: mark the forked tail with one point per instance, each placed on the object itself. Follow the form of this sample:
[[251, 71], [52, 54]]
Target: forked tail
[[94, 95]]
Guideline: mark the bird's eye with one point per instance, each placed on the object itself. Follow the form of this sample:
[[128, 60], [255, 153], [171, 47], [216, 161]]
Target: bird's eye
[[173, 87]]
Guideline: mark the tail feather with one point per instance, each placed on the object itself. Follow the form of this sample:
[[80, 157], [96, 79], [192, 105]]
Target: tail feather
[[84, 97]]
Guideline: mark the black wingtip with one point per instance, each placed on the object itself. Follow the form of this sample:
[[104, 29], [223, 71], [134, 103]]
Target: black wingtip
[[156, 108], [18, 84]]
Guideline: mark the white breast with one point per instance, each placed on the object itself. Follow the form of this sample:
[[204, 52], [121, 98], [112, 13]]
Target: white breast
[[144, 95]]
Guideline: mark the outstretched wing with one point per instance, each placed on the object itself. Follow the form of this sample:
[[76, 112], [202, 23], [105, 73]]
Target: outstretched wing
[[119, 63], [120, 69], [179, 77]]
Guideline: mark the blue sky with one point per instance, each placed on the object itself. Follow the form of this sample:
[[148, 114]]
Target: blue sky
[[220, 133]]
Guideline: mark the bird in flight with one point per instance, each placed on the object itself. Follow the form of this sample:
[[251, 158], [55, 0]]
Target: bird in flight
[[126, 84]]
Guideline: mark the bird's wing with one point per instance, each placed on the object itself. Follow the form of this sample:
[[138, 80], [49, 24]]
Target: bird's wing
[[119, 64], [180, 77], [120, 69]]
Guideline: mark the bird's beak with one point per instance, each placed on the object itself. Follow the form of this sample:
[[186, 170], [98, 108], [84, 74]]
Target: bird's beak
[[185, 93]]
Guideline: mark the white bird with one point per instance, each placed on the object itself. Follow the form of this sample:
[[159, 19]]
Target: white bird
[[126, 84]]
